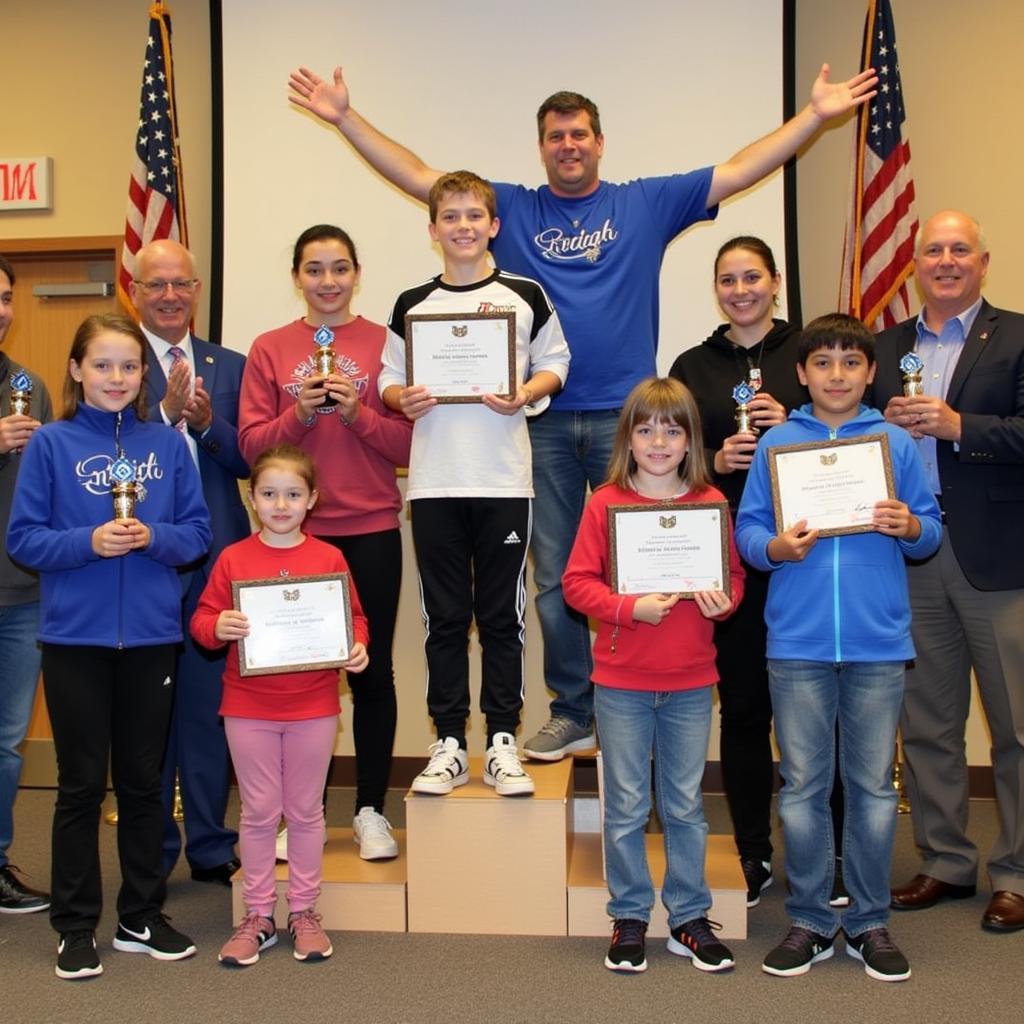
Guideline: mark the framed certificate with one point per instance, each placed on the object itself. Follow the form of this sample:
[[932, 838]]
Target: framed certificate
[[672, 548], [461, 358], [295, 624], [834, 485]]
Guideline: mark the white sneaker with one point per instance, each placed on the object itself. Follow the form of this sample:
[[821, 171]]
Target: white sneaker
[[447, 768], [502, 769], [281, 845], [372, 833]]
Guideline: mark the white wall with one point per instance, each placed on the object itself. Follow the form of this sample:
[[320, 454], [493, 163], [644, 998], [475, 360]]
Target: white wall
[[459, 83]]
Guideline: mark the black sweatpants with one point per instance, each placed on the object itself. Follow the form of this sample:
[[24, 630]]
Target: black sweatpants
[[106, 705], [471, 556]]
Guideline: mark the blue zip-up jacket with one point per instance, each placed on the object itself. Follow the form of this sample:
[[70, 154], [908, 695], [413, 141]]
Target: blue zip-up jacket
[[847, 600], [63, 494]]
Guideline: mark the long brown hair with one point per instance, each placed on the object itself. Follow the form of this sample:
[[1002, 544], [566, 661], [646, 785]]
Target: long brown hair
[[88, 329], [663, 400]]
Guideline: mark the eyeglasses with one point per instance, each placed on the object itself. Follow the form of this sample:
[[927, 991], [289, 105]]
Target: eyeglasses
[[159, 287]]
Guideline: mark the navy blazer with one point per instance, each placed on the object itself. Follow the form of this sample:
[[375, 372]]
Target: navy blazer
[[221, 465], [983, 477]]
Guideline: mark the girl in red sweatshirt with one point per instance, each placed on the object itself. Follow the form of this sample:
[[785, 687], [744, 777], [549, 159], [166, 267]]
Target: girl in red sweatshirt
[[654, 669], [357, 443], [280, 726]]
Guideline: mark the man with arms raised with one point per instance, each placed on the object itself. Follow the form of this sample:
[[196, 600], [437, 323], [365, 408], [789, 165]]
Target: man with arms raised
[[597, 249]]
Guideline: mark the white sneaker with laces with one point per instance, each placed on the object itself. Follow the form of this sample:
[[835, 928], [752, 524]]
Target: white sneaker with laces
[[281, 844], [447, 768], [503, 770], [372, 833]]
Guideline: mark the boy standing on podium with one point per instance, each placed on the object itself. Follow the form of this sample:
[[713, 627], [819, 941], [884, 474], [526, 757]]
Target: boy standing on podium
[[470, 486]]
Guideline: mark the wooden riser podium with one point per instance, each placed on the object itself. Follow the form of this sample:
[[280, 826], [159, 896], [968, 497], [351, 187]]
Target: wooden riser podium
[[473, 862], [355, 895]]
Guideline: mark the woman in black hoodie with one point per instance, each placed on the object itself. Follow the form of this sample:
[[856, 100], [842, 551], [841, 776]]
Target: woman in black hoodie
[[756, 349]]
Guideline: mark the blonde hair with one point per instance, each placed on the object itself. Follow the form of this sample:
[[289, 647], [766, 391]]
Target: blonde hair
[[663, 400]]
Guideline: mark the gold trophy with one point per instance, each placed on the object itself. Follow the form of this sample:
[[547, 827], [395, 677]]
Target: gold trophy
[[324, 341], [898, 780], [124, 489], [911, 367], [21, 394], [742, 395], [178, 811]]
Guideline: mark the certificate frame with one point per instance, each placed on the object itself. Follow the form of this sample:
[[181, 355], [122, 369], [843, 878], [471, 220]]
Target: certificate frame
[[433, 323], [667, 510], [334, 601], [787, 462]]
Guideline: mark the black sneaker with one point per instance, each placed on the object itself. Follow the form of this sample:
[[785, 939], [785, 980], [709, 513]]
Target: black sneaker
[[155, 937], [18, 898], [696, 940], [840, 897], [758, 875], [77, 956], [627, 951], [796, 952], [881, 957]]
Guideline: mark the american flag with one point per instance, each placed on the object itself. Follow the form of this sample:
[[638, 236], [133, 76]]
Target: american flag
[[878, 255], [156, 198]]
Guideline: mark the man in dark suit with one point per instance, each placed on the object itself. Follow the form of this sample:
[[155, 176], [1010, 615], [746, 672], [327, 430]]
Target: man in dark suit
[[193, 386], [967, 600]]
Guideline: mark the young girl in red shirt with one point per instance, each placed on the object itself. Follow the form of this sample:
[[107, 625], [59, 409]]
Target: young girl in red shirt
[[280, 727], [654, 669]]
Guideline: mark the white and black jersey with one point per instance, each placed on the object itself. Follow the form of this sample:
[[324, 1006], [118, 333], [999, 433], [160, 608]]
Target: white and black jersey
[[467, 450]]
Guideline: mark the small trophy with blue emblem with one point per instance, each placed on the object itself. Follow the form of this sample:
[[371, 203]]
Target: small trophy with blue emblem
[[21, 393], [324, 341], [742, 395], [124, 487], [911, 367]]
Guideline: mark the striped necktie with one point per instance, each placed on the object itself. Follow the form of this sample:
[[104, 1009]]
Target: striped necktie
[[177, 354]]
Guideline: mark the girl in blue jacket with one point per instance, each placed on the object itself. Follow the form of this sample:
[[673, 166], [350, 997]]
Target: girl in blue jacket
[[110, 621]]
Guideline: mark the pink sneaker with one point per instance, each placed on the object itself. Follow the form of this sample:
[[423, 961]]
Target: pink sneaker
[[252, 936], [311, 941]]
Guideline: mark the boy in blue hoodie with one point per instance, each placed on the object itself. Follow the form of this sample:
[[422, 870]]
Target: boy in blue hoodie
[[838, 616]]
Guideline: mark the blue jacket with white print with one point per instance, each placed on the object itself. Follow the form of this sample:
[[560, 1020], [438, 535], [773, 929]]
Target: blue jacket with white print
[[63, 494]]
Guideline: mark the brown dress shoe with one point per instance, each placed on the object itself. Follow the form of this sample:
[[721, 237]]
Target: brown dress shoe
[[923, 891], [1004, 913]]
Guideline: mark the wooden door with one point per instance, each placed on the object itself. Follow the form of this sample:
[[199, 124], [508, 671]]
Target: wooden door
[[40, 337]]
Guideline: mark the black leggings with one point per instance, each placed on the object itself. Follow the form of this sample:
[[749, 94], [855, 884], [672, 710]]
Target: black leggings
[[376, 563]]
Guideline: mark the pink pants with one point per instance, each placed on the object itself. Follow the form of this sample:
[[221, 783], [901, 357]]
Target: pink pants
[[281, 769]]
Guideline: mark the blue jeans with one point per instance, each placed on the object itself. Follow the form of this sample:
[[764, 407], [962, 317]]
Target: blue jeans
[[808, 697], [674, 726], [570, 451], [19, 674]]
